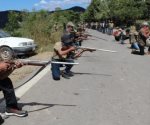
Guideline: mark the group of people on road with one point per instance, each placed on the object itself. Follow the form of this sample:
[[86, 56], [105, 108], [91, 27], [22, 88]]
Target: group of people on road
[[142, 40], [67, 50], [138, 38], [102, 26]]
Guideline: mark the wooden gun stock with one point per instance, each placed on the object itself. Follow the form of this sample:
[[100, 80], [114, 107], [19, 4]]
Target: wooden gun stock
[[35, 62]]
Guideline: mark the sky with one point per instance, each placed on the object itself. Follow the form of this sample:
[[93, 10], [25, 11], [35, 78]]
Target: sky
[[41, 4]]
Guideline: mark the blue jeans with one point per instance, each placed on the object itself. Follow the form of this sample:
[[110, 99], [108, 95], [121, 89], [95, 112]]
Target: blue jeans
[[9, 95], [135, 46], [110, 31], [56, 73]]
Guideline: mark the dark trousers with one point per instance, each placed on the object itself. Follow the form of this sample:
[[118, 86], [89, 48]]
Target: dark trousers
[[103, 30], [148, 49], [80, 43], [7, 88], [141, 50], [56, 73], [68, 67]]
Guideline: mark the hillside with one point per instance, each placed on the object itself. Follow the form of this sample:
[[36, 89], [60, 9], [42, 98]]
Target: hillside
[[4, 14]]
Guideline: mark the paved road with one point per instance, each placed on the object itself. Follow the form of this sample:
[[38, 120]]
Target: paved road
[[108, 89]]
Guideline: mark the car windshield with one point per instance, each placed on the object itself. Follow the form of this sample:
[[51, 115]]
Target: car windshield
[[4, 34]]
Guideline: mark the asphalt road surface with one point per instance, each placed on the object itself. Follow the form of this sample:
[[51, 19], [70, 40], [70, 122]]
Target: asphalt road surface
[[107, 89]]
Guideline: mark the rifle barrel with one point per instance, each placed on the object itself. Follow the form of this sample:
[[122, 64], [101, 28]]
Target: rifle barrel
[[104, 50], [44, 63]]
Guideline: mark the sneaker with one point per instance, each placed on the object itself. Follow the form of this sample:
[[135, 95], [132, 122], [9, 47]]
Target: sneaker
[[65, 75], [16, 112], [70, 74], [4, 116], [1, 120]]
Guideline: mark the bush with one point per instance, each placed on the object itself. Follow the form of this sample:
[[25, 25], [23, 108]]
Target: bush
[[40, 26]]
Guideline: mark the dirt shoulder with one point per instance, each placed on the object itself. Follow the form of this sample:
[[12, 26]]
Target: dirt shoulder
[[21, 73]]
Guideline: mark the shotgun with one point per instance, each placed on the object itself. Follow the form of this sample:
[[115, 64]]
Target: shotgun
[[43, 63], [29, 62]]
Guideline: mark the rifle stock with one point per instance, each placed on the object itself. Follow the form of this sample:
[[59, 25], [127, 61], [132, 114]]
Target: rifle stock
[[35, 62]]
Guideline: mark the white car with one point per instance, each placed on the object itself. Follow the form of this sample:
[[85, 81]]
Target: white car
[[21, 46]]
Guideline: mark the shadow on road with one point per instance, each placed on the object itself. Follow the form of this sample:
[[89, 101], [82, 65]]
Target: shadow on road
[[88, 56], [135, 52], [21, 105], [79, 73]]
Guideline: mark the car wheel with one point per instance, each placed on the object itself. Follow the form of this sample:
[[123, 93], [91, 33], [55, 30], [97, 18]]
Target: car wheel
[[6, 53]]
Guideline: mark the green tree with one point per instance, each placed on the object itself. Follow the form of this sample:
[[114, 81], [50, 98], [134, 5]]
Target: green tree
[[123, 9], [39, 25], [14, 22]]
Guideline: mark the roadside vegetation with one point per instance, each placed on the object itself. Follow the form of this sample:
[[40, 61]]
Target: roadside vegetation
[[117, 10], [46, 28], [42, 26]]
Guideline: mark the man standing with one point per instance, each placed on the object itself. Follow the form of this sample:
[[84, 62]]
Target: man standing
[[111, 26]]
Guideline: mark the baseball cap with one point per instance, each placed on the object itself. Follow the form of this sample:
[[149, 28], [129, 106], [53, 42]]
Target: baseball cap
[[70, 24], [145, 24]]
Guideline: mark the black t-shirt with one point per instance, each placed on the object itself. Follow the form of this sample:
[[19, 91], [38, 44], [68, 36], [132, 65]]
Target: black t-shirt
[[67, 39]]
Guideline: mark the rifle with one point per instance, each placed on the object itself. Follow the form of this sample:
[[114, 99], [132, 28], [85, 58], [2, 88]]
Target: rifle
[[42, 63], [7, 55], [95, 49], [30, 62], [39, 62]]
